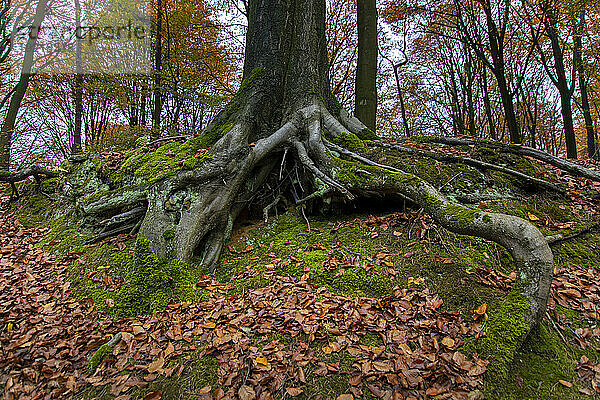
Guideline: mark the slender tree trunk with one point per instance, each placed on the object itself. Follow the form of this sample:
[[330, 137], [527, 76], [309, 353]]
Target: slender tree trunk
[[499, 66], [366, 70], [395, 67], [561, 82], [143, 95], [157, 70], [15, 102], [76, 146], [510, 116], [488, 105], [585, 102]]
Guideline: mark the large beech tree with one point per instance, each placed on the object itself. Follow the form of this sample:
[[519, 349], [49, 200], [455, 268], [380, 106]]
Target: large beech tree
[[284, 121], [284, 137]]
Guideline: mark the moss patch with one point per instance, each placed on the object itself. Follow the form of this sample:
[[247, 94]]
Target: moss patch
[[152, 283], [506, 328]]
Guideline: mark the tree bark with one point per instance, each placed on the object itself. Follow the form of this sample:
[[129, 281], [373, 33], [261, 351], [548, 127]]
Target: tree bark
[[585, 102], [488, 105], [19, 93], [76, 145], [560, 81], [366, 69], [157, 70], [496, 41]]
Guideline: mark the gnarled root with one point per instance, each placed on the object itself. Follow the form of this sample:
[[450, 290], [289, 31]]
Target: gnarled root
[[35, 171], [533, 258], [192, 213]]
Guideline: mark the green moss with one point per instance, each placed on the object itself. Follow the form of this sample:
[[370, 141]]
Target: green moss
[[354, 281], [151, 283], [506, 329], [372, 340], [169, 234], [367, 134], [169, 158], [94, 197], [461, 215], [33, 210], [538, 366], [584, 252], [350, 142], [250, 80], [99, 355]]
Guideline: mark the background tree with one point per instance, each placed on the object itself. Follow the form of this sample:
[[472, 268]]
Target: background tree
[[18, 93], [366, 71]]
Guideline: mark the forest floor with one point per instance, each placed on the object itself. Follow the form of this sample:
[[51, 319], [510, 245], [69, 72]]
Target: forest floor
[[348, 307]]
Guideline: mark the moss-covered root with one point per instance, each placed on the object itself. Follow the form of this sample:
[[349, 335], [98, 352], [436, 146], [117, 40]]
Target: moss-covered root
[[532, 255], [103, 351]]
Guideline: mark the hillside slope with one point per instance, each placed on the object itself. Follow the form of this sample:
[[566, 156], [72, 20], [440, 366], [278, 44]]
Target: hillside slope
[[362, 300]]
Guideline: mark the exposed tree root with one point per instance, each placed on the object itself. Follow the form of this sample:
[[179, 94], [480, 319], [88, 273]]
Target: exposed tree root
[[541, 183], [555, 239], [190, 215], [35, 171], [560, 163]]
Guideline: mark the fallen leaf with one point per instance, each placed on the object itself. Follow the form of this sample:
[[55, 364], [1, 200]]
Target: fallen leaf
[[246, 393], [532, 217], [156, 395], [169, 350], [294, 391], [156, 365], [481, 309], [262, 360]]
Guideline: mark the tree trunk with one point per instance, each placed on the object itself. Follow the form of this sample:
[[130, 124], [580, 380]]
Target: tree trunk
[[366, 69], [561, 82], [585, 102], [401, 98], [16, 99], [157, 70], [499, 66], [488, 105], [284, 128], [76, 146]]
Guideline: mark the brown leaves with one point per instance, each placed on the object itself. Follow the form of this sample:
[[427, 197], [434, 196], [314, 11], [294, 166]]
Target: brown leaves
[[415, 343], [246, 393], [156, 395], [156, 366], [294, 391]]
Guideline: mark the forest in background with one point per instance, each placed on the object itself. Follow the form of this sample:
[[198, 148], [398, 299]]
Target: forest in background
[[519, 71]]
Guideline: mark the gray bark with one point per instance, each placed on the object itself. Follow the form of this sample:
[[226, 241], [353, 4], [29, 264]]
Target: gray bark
[[366, 68]]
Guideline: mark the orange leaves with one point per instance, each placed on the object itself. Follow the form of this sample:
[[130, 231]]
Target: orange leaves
[[261, 360], [209, 325]]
